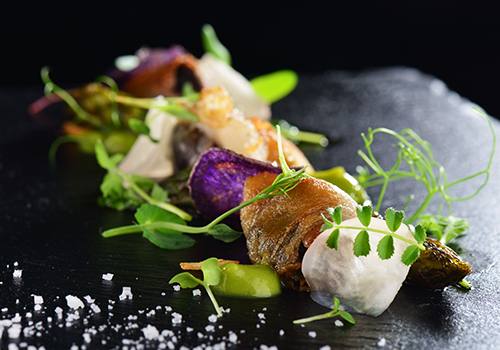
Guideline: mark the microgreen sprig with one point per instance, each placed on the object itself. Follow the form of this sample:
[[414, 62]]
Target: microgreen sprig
[[284, 182], [212, 276], [333, 313], [110, 163], [417, 154], [385, 247]]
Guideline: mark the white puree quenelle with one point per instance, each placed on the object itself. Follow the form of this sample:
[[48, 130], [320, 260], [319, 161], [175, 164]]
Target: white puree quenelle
[[365, 284]]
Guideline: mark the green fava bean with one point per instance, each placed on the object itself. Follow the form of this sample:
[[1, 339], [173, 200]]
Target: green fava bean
[[247, 281]]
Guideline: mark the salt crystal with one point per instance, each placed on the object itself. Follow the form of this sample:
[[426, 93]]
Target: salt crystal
[[95, 308], [339, 323], [150, 332], [196, 292], [16, 263], [325, 347], [38, 299], [38, 307], [87, 338], [89, 299], [107, 276], [212, 318], [209, 328], [261, 316], [312, 334], [59, 311], [282, 332], [177, 287], [17, 273], [126, 293], [381, 342], [233, 338], [5, 309], [14, 331], [74, 302]]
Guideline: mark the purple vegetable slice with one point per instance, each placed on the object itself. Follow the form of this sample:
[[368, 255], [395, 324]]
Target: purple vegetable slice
[[217, 180]]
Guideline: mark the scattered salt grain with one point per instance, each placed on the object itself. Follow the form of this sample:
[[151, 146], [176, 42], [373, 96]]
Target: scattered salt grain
[[212, 318], [38, 299], [196, 292], [14, 331], [381, 342], [312, 334], [17, 273], [16, 263], [177, 287], [282, 332], [339, 323], [126, 293], [209, 328], [95, 308], [325, 347], [74, 302], [176, 318], [38, 307], [5, 309], [150, 332], [107, 276], [233, 338], [89, 299], [59, 311]]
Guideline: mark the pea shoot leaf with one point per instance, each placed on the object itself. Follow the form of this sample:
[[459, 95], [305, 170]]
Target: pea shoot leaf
[[186, 280], [418, 233], [274, 86], [212, 44], [364, 214], [410, 255], [347, 316], [333, 239], [385, 247], [104, 160], [362, 244], [336, 214], [172, 241], [394, 219], [212, 274], [148, 213], [224, 233], [159, 193], [327, 224]]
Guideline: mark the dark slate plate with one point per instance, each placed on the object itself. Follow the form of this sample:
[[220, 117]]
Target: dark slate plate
[[50, 225]]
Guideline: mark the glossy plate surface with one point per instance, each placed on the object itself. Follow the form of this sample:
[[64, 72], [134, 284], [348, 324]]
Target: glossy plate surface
[[50, 243]]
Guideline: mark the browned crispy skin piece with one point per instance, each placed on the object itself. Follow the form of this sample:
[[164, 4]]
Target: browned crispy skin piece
[[166, 80], [437, 267], [277, 227]]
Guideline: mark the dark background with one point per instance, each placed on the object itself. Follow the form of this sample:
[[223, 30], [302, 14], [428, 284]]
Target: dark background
[[453, 41]]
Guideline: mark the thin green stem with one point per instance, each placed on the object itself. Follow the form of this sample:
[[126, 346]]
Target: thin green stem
[[389, 233], [212, 298], [329, 314]]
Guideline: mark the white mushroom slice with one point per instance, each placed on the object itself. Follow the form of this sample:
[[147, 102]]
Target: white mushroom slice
[[365, 284], [214, 72], [150, 159]]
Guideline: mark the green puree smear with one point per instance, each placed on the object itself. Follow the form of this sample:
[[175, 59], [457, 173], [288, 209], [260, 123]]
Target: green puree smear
[[248, 281]]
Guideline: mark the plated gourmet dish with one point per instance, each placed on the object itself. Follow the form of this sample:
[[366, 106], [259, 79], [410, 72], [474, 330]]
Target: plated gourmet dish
[[165, 119]]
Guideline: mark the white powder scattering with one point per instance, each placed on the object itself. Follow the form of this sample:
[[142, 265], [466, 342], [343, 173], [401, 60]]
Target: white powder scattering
[[89, 299], [126, 293], [325, 347], [312, 334], [87, 338], [233, 338], [38, 299], [38, 307], [382, 342], [5, 309], [261, 316], [107, 276], [196, 292], [176, 318], [74, 302], [14, 331], [59, 312], [339, 323], [209, 328], [16, 263], [150, 332], [17, 273]]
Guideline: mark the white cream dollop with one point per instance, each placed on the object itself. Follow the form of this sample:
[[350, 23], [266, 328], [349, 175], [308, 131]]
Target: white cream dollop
[[365, 284]]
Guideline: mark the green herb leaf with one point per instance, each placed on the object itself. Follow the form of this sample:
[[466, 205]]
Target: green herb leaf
[[212, 274], [224, 233], [274, 86], [149, 213], [394, 219], [362, 244], [419, 233], [140, 127], [159, 193], [333, 240], [336, 214], [347, 316], [364, 214], [171, 241], [186, 280], [104, 160], [327, 224], [212, 44], [410, 255], [385, 247]]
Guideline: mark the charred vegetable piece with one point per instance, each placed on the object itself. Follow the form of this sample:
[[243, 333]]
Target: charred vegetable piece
[[437, 267], [217, 180], [279, 228]]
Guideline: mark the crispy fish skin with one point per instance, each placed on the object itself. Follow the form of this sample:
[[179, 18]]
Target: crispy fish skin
[[276, 228]]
